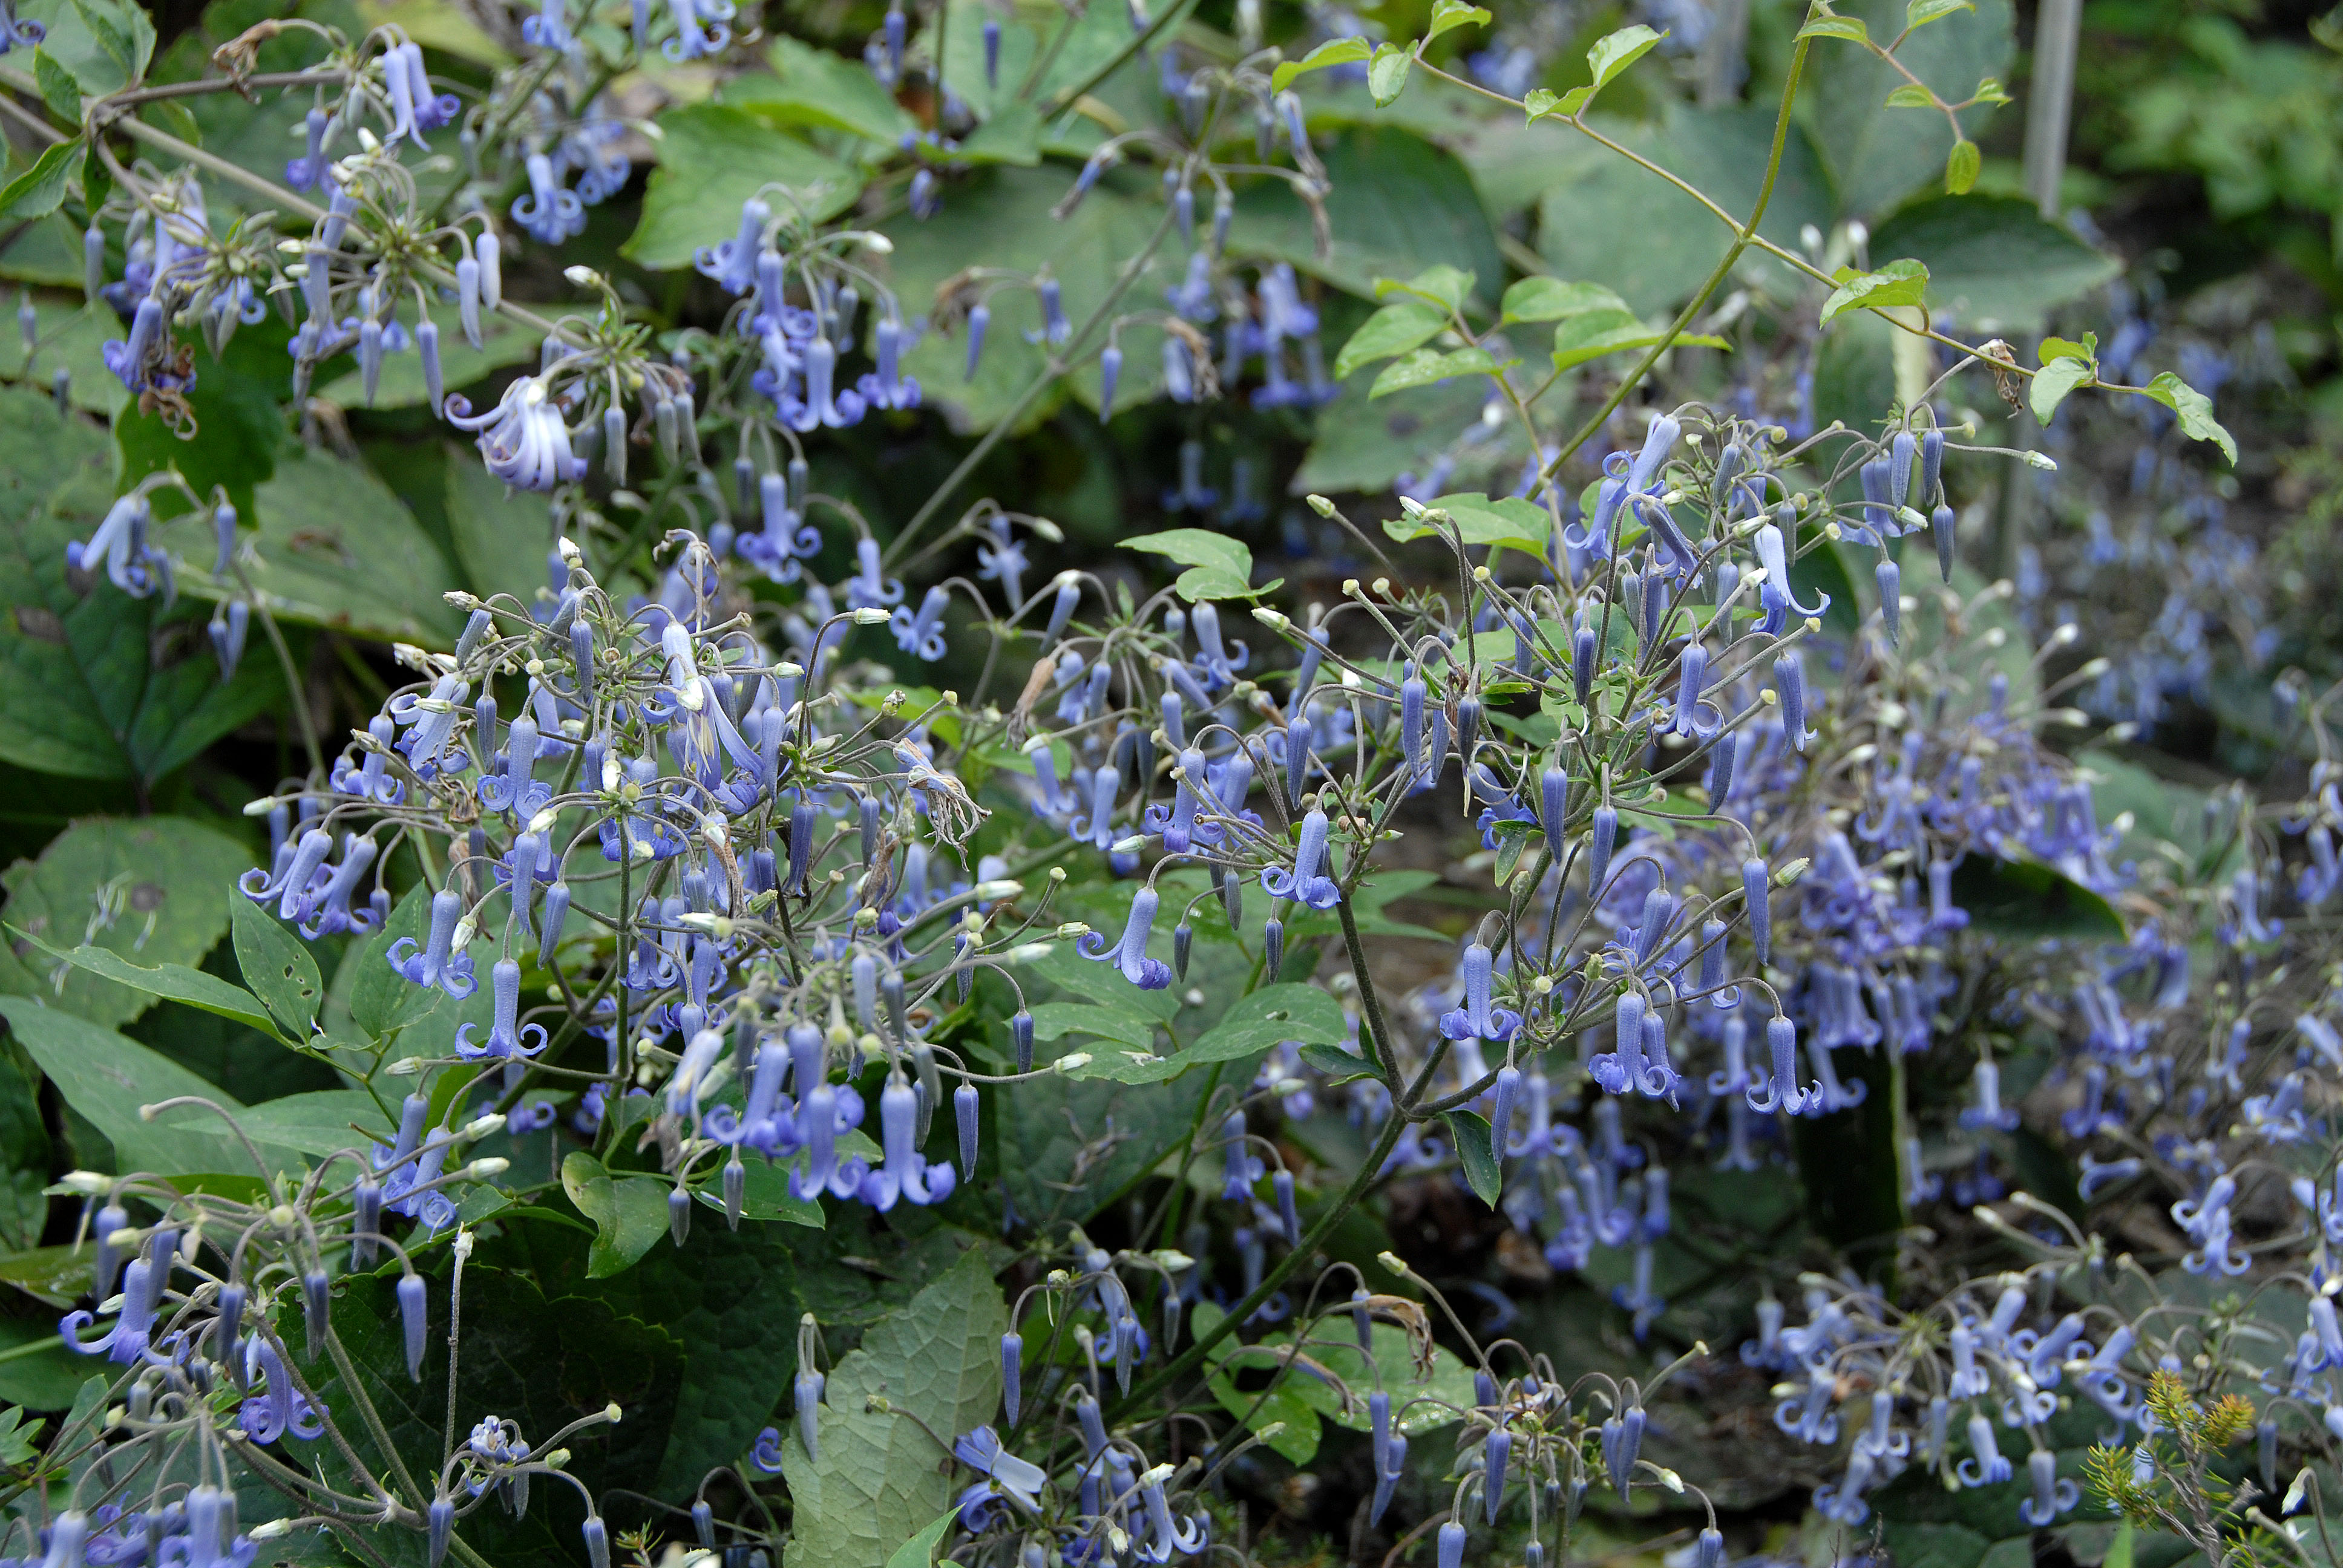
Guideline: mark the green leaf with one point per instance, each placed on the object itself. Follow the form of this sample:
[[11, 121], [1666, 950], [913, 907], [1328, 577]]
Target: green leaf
[[1268, 1016], [1508, 521], [380, 999], [1616, 51], [277, 968], [2054, 380], [144, 892], [920, 1550], [1399, 206], [1332, 51], [107, 1078], [1513, 839], [59, 91], [114, 39], [1911, 96], [1899, 283], [1475, 1152], [812, 87], [1995, 262], [734, 1299], [876, 1483], [1425, 367], [337, 548], [629, 1213], [39, 190], [1013, 135], [1057, 1019], [52, 1274], [1540, 102], [1421, 1400], [1878, 157], [1339, 1066], [1552, 299], [1850, 28], [1445, 286], [2195, 412], [1224, 558], [2067, 348], [43, 1374], [319, 1123], [1397, 327], [1387, 73], [1961, 165], [712, 158], [171, 982], [1595, 333], [764, 1195], [1447, 15], [1920, 13], [2024, 900]]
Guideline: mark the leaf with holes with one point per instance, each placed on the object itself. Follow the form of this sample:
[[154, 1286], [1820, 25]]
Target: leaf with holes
[[277, 967], [149, 892]]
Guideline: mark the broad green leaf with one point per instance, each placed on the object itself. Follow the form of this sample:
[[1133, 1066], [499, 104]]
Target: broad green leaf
[[1508, 521], [107, 1078], [2195, 412], [1591, 336], [1911, 96], [1961, 166], [43, 1374], [2025, 902], [920, 1550], [1450, 15], [812, 87], [1617, 51], [171, 982], [1013, 135], [1197, 548], [145, 892], [1057, 1019], [876, 1483], [1332, 51], [379, 998], [502, 343], [1397, 327], [336, 548], [503, 537], [1898, 283], [39, 190], [1268, 1016], [59, 91], [541, 1363], [1425, 367], [319, 1123], [764, 1195], [1421, 1400], [1475, 1154], [733, 1298], [1000, 216], [1995, 262], [52, 1274], [277, 967], [2054, 381], [1387, 73], [1288, 1426], [1443, 286], [1552, 299], [1399, 206], [628, 1211], [1338, 1065], [1850, 28], [1603, 220], [25, 1156], [96, 43], [1920, 13], [1878, 157], [2067, 348], [712, 158], [91, 686]]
